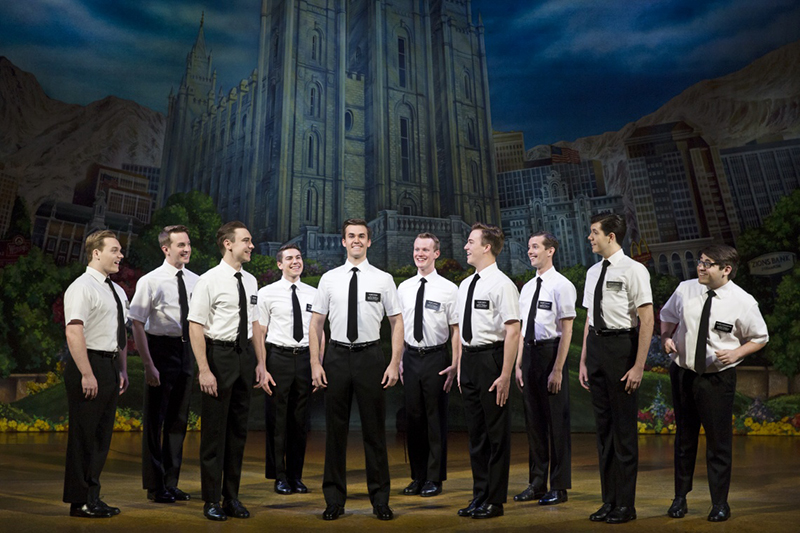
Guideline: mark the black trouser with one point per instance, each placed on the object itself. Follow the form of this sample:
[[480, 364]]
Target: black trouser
[[91, 424], [224, 421], [616, 413], [488, 424], [166, 412], [287, 414], [547, 418], [359, 374], [706, 400], [426, 412]]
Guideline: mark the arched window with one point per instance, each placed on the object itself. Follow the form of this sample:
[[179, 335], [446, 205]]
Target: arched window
[[467, 87], [348, 120], [677, 266], [312, 151], [312, 102], [475, 176], [691, 266], [314, 42], [311, 205], [471, 133], [663, 265], [401, 61], [405, 149]]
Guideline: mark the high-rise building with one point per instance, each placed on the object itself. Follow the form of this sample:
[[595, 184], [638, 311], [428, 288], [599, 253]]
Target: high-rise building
[[354, 108], [509, 150]]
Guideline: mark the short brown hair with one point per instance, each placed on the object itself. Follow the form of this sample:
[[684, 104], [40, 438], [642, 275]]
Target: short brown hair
[[723, 255], [227, 232], [431, 236], [612, 223], [549, 239], [287, 246], [491, 235], [356, 222], [165, 237], [96, 241]]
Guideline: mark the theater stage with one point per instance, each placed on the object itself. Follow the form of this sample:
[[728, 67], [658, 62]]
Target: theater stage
[[765, 494]]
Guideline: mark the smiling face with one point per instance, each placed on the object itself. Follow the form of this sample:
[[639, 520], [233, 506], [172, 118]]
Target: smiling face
[[714, 276], [477, 252], [241, 247], [425, 255], [291, 264], [541, 257], [179, 251], [108, 259], [356, 241], [601, 243]]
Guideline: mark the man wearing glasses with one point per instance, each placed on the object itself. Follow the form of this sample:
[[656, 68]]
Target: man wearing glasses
[[708, 326]]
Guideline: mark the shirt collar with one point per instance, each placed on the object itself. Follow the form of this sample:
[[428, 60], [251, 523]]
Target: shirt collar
[[287, 285], [547, 275], [169, 268], [96, 274], [229, 270], [489, 271], [429, 278], [616, 257], [364, 265], [720, 291]]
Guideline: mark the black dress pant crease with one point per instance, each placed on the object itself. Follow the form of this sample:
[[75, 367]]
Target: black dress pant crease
[[488, 424], [224, 421], [91, 425], [166, 412], [426, 412], [547, 419]]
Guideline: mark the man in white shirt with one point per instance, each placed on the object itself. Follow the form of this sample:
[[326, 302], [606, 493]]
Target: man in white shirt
[[489, 327], [228, 345], [547, 305], [159, 317], [285, 314], [708, 326], [430, 315], [95, 312], [355, 298]]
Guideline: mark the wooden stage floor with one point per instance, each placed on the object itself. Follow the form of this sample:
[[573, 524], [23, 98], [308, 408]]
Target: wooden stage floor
[[765, 495]]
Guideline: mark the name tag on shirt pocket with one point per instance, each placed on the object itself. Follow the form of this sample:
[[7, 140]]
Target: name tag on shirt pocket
[[253, 299], [433, 305], [373, 297], [614, 285], [547, 306], [308, 307], [481, 304], [722, 326]]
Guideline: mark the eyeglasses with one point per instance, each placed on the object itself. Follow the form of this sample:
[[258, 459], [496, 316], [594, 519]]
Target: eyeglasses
[[706, 264]]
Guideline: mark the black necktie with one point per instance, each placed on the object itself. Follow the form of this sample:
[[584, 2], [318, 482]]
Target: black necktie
[[297, 316], [599, 322], [418, 310], [121, 341], [352, 308], [530, 331], [183, 300], [467, 333], [241, 338], [702, 336]]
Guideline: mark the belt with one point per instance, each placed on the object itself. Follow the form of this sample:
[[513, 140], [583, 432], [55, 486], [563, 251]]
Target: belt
[[423, 350], [293, 349], [226, 344], [355, 347], [542, 342], [613, 332], [483, 347], [101, 353]]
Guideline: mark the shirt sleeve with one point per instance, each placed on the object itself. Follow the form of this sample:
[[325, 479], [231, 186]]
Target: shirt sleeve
[[671, 312], [639, 285], [252, 298], [588, 291], [200, 306], [142, 303], [753, 327], [321, 300], [77, 303], [391, 302], [453, 312], [565, 301], [508, 302], [263, 308]]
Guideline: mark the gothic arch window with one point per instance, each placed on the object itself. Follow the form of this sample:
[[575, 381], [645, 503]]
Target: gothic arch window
[[691, 266], [348, 120], [402, 61], [311, 201], [471, 132], [313, 100], [554, 189], [314, 44], [677, 266], [405, 149], [467, 86], [312, 151], [663, 265], [475, 174]]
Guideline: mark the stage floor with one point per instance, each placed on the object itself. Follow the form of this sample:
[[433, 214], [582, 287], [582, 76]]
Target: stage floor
[[765, 494]]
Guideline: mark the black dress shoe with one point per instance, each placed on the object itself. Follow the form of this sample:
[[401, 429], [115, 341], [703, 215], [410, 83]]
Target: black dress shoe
[[620, 515], [601, 514], [179, 495], [431, 488], [719, 513], [160, 496], [530, 493], [413, 488], [554, 497], [87, 510], [678, 509], [488, 510], [333, 511], [235, 509], [469, 509], [298, 486], [103, 505], [282, 487], [382, 511], [213, 511]]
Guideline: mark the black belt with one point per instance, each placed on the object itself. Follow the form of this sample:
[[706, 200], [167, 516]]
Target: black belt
[[355, 347], [542, 342], [101, 353], [423, 350], [613, 332], [217, 342], [483, 347], [293, 349]]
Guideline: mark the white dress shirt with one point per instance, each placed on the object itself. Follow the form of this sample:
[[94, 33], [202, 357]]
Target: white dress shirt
[[557, 299], [376, 293], [88, 299], [734, 320], [494, 302], [439, 310], [626, 288], [275, 311], [215, 302], [156, 302]]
